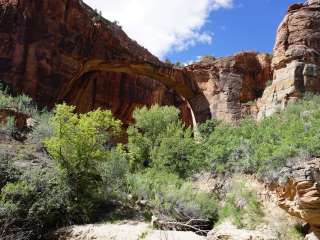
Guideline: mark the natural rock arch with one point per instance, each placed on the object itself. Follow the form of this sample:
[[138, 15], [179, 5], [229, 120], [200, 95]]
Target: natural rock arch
[[180, 80]]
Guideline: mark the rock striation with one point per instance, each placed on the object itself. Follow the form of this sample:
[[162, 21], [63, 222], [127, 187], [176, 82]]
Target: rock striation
[[62, 50], [296, 58], [47, 43], [299, 193], [55, 50], [232, 84]]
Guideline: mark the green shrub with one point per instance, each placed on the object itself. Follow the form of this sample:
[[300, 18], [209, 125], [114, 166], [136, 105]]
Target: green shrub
[[8, 173], [22, 103], [114, 174], [263, 147], [177, 152], [158, 139], [242, 206], [171, 196], [42, 129], [38, 194], [293, 233], [206, 128], [9, 127], [145, 133]]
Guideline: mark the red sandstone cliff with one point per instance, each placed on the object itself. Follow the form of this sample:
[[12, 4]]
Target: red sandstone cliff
[[232, 84], [57, 50], [61, 50], [45, 43]]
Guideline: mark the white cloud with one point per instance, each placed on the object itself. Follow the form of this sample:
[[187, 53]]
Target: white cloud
[[162, 25]]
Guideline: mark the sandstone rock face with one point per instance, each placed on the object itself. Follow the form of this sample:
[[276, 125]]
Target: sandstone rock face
[[231, 83], [55, 50], [47, 43], [296, 58], [20, 119], [299, 193]]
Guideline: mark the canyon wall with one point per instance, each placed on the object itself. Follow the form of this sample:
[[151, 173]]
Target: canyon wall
[[296, 58], [62, 50], [46, 43], [55, 50], [232, 84]]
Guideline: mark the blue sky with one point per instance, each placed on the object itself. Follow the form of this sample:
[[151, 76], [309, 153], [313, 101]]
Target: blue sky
[[182, 30], [249, 25]]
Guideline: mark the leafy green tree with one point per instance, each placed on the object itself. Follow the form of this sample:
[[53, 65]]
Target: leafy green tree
[[145, 134], [177, 151], [159, 139], [78, 146]]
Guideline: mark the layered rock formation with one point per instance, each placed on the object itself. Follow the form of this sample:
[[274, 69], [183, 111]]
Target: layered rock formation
[[231, 84], [47, 43], [299, 193], [296, 58], [56, 51]]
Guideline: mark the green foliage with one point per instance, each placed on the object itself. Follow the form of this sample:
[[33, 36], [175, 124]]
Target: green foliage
[[9, 127], [266, 146], [114, 174], [22, 103], [87, 173], [8, 173], [158, 139], [242, 206], [206, 128], [78, 146], [171, 196], [293, 233], [176, 152], [38, 194], [144, 134], [42, 129]]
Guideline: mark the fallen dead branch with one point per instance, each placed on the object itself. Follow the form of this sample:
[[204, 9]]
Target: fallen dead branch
[[199, 226]]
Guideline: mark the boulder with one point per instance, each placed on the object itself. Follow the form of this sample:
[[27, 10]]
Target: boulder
[[20, 119]]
